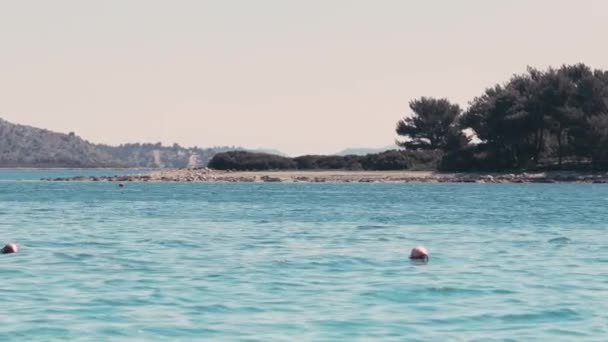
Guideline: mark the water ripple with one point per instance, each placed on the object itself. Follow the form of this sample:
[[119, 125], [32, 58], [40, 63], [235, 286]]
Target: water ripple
[[283, 262]]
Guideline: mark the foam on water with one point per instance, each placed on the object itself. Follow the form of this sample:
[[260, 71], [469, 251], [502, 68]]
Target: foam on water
[[287, 262]]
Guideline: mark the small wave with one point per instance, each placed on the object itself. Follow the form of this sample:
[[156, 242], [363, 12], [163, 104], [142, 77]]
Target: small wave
[[546, 316], [562, 240], [449, 291], [114, 282], [503, 291], [414, 295], [73, 257], [178, 243], [42, 209], [212, 308], [340, 265], [371, 227], [542, 316], [564, 332]]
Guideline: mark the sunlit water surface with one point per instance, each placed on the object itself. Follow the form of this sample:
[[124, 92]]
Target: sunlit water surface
[[285, 262]]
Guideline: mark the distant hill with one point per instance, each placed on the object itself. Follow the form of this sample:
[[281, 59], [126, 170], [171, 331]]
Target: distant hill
[[26, 146], [159, 156], [365, 151]]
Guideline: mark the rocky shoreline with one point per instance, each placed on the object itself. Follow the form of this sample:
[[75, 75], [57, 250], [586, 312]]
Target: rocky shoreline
[[207, 175]]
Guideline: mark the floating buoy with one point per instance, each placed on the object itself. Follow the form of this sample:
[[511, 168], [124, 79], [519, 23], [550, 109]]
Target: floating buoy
[[419, 253], [10, 248], [121, 185]]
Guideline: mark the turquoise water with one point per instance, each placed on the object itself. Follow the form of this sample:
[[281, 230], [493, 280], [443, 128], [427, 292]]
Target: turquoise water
[[303, 262], [35, 175]]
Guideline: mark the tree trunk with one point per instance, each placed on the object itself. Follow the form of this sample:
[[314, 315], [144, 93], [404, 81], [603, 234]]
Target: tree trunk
[[536, 147], [541, 140], [559, 146]]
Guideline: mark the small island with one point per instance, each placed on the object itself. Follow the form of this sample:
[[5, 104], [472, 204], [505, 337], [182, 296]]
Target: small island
[[542, 126]]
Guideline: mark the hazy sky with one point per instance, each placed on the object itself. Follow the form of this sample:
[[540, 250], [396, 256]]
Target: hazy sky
[[300, 76]]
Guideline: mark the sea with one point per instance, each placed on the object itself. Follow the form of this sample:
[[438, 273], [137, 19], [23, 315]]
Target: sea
[[301, 261]]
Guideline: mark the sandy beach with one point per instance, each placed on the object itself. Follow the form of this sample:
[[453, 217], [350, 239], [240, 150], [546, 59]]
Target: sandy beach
[[343, 176]]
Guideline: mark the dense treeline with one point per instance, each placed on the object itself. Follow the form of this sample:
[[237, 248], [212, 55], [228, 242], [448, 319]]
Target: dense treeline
[[243, 160], [539, 120], [389, 160], [552, 119]]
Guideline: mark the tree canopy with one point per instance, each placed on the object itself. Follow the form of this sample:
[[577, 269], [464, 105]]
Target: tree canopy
[[554, 118], [543, 118], [431, 126]]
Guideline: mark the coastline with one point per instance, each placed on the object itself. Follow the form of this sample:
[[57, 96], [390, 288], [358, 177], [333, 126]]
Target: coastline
[[73, 169], [344, 176]]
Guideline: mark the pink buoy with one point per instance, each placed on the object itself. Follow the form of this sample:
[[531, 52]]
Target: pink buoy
[[10, 248], [419, 253]]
